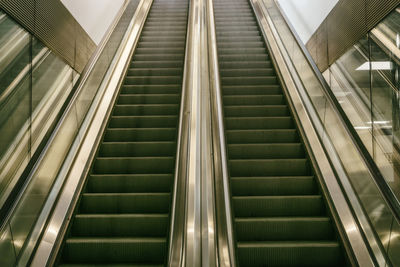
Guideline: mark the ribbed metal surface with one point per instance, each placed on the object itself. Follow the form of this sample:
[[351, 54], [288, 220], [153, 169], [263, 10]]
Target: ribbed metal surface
[[54, 25], [347, 23], [376, 10], [22, 10], [321, 46]]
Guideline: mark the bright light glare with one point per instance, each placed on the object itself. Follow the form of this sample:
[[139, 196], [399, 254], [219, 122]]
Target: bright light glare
[[379, 122], [376, 65], [362, 127]]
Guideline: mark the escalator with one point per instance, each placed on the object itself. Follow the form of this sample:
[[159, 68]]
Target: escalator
[[123, 214], [280, 215]]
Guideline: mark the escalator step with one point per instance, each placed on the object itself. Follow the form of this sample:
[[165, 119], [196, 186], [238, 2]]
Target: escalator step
[[280, 216], [120, 225], [247, 72], [252, 136], [256, 80], [236, 123], [263, 206], [140, 134], [92, 203], [129, 165], [254, 100], [111, 265], [143, 121], [266, 151], [244, 57], [247, 50], [273, 186], [283, 229], [251, 90], [125, 183], [137, 149], [149, 99], [153, 80], [115, 250], [257, 111], [154, 71], [269, 167], [146, 109], [245, 64], [301, 253], [123, 214], [150, 89]]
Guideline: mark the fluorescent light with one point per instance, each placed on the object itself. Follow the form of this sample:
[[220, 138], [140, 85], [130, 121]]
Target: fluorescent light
[[362, 127], [376, 65], [379, 122]]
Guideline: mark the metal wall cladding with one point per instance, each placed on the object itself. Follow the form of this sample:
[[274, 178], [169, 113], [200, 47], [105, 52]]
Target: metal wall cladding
[[376, 10], [346, 24], [53, 24], [322, 46]]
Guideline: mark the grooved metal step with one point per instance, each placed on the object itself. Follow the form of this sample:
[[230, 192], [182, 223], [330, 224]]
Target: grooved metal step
[[123, 215], [279, 212]]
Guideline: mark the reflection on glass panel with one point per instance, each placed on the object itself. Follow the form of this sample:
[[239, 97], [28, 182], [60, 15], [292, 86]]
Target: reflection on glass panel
[[34, 85], [365, 81], [51, 84], [6, 249], [394, 239], [14, 97], [14, 52], [386, 34]]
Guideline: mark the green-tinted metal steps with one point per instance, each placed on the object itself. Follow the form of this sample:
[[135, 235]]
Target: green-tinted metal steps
[[280, 218], [123, 215]]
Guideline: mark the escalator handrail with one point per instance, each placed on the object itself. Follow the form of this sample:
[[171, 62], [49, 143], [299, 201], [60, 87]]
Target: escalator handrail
[[178, 209], [224, 228], [379, 179]]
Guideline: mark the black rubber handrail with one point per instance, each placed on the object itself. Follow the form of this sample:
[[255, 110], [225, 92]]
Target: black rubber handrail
[[379, 179]]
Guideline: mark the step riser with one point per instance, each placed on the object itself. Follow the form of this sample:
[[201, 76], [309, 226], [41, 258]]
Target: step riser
[[124, 203], [130, 135], [278, 167], [120, 226], [277, 206], [133, 165], [312, 256], [261, 136], [283, 229], [273, 186], [130, 183], [266, 151], [115, 252], [131, 110], [262, 111], [137, 149]]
